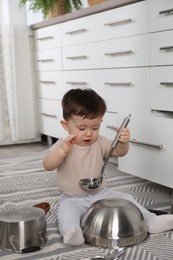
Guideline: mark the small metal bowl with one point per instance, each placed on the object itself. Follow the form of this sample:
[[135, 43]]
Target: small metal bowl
[[111, 223]]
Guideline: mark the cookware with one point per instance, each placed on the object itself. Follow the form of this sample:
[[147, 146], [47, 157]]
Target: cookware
[[110, 223], [93, 183], [22, 229]]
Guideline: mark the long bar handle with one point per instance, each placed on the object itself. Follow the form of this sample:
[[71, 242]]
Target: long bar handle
[[48, 115], [77, 31], [128, 20], [46, 60], [119, 53], [47, 82], [118, 83], [167, 83], [77, 57], [167, 11], [159, 146], [76, 83], [166, 48], [45, 38]]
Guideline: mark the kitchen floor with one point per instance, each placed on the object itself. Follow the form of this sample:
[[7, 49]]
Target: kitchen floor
[[27, 147]]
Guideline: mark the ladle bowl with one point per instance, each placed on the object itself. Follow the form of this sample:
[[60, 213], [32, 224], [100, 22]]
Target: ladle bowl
[[90, 184]]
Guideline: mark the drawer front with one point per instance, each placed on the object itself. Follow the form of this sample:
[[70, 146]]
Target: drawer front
[[50, 116], [48, 60], [130, 52], [151, 156], [51, 85], [108, 125], [124, 90], [161, 51], [48, 37], [119, 22], [161, 15], [161, 88]]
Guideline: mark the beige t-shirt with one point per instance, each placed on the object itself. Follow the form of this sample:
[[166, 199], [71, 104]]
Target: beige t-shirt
[[82, 162]]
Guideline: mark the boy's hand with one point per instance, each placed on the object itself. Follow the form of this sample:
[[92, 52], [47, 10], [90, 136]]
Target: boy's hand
[[125, 136], [68, 143]]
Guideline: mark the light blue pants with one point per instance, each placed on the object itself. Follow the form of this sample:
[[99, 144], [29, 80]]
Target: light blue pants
[[72, 208]]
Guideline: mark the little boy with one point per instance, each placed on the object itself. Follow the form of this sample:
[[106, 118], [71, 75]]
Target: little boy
[[80, 156]]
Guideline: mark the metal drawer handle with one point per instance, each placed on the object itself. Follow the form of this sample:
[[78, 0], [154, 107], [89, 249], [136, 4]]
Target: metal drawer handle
[[48, 115], [168, 11], [45, 38], [111, 127], [76, 83], [46, 60], [77, 31], [47, 82], [119, 53], [118, 83], [166, 83], [166, 48], [159, 146], [128, 20], [77, 57]]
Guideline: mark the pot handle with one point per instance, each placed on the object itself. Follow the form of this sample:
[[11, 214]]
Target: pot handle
[[26, 250]]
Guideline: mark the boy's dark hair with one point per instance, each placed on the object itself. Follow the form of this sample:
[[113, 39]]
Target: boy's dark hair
[[83, 102]]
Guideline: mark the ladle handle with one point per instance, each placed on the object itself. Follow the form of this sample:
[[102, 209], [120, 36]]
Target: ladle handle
[[123, 125], [115, 142]]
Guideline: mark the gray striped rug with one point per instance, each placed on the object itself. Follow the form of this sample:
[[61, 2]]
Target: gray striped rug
[[23, 181]]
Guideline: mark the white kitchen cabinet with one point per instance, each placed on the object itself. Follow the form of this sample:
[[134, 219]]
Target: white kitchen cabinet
[[150, 152], [161, 88], [161, 48], [50, 116], [123, 52], [161, 15], [125, 55], [48, 37], [116, 23]]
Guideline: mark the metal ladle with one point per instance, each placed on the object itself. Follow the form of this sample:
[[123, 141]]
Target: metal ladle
[[93, 183]]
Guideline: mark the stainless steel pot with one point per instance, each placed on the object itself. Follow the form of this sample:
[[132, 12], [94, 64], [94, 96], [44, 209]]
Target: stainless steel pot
[[22, 229], [111, 223]]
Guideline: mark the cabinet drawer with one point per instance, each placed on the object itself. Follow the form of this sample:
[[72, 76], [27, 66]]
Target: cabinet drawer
[[124, 90], [161, 15], [50, 116], [151, 156], [48, 60], [48, 37], [51, 85], [161, 88], [133, 51], [161, 51], [108, 125], [119, 22]]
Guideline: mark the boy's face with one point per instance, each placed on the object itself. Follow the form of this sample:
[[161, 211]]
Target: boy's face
[[86, 130]]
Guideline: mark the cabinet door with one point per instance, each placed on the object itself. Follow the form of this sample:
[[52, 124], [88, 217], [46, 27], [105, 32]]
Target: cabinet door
[[151, 150], [161, 88], [130, 52], [48, 37], [161, 15], [161, 50]]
